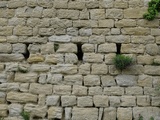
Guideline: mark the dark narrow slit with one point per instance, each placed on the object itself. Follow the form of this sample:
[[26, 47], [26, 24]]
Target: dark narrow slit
[[118, 45], [26, 54], [79, 52]]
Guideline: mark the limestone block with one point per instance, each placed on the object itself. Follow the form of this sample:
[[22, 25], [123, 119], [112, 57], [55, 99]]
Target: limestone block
[[92, 4], [156, 81], [64, 69], [114, 13], [3, 4], [93, 58], [36, 110], [45, 3], [34, 58], [134, 91], [34, 48], [97, 14], [135, 31], [26, 77], [76, 5], [146, 23], [109, 113], [121, 4], [2, 97], [22, 30], [3, 110], [134, 13], [47, 48], [142, 39], [3, 39], [60, 23], [54, 79], [109, 23], [5, 48], [62, 89], [144, 59], [17, 3], [84, 14], [79, 90], [86, 101], [68, 112], [152, 49], [99, 69], [11, 67], [143, 100], [157, 40], [61, 4], [108, 80], [150, 91], [152, 70], [6, 31], [15, 109], [118, 39], [17, 97], [121, 113], [155, 101], [146, 112], [33, 22], [84, 68], [12, 39], [68, 101], [125, 23], [81, 23], [113, 91], [55, 112], [62, 38], [41, 100], [84, 113], [128, 101], [7, 13], [36, 88], [52, 100], [85, 32], [71, 58], [24, 87], [67, 48], [109, 58], [114, 101], [155, 31], [107, 48], [39, 68], [126, 80], [16, 21], [115, 31], [113, 70], [88, 47], [42, 78], [136, 3], [106, 4], [95, 91], [100, 100], [2, 67], [9, 87], [54, 58], [96, 39], [145, 81], [73, 79], [19, 48], [68, 14], [11, 57], [46, 31], [91, 80], [49, 13], [132, 48], [33, 40], [101, 31], [72, 31]]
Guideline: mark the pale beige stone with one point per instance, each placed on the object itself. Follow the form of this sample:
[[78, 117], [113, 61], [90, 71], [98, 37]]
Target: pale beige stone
[[22, 30], [68, 101], [49, 13], [3, 110], [152, 70], [145, 81], [68, 14], [124, 113], [84, 68], [40, 68], [91, 80], [114, 101], [79, 90], [95, 90], [152, 49], [71, 58], [136, 31], [128, 101], [101, 31], [97, 14], [109, 58], [118, 39], [109, 23], [155, 31], [88, 47], [114, 13], [36, 88], [134, 90], [54, 58], [146, 23], [73, 80], [100, 100], [55, 112], [93, 57], [145, 59], [45, 3], [96, 39], [108, 80], [5, 48], [121, 4], [143, 100], [11, 57], [113, 91], [35, 58], [106, 3], [107, 48], [99, 69], [18, 97], [62, 89], [142, 39], [7, 30], [109, 113], [61, 3], [86, 101], [67, 48], [132, 48], [7, 13], [16, 3], [46, 31], [125, 23], [76, 5]]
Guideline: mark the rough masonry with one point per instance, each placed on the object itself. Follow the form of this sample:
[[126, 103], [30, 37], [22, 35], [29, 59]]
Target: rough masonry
[[56, 60]]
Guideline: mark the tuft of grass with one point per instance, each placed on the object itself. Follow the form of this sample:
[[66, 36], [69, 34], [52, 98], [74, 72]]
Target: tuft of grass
[[56, 47], [156, 63], [122, 62], [140, 117], [25, 115], [151, 118], [1, 118]]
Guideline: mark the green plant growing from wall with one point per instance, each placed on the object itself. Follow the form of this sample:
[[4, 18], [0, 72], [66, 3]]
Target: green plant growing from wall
[[156, 63], [122, 62], [25, 115], [1, 118], [153, 9], [140, 117]]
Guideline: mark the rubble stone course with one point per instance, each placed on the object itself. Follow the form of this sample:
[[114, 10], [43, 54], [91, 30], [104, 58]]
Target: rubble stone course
[[56, 60]]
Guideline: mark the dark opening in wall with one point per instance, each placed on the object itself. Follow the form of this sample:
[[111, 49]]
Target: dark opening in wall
[[118, 45], [26, 54], [79, 52]]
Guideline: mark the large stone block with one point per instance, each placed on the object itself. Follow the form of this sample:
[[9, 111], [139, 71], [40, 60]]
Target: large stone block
[[17, 3], [114, 13], [91, 80], [68, 14], [136, 31], [5, 48], [22, 30], [95, 90], [79, 90], [128, 101], [132, 48], [55, 112], [68, 101], [118, 39], [107, 48], [124, 113], [15, 109], [152, 70], [99, 69], [109, 113], [100, 100], [62, 89], [125, 23], [96, 39], [97, 14], [113, 91], [11, 57], [108, 80], [108, 23], [93, 57], [73, 79], [134, 13], [62, 38]]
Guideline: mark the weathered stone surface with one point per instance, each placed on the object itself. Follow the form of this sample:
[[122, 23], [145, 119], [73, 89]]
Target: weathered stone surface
[[70, 14], [22, 30], [109, 113], [128, 101], [91, 80], [146, 23], [118, 39], [97, 39], [114, 101], [73, 79], [93, 57], [68, 101], [68, 112], [67, 48], [71, 58], [142, 39], [40, 67], [126, 80], [125, 23], [16, 3], [54, 58], [54, 79], [64, 68], [85, 101], [79, 90], [84, 113], [152, 70], [144, 59], [155, 101], [11, 57], [145, 81], [62, 38], [26, 77], [113, 91], [21, 97], [134, 91], [19, 48], [109, 58], [134, 13], [34, 58], [95, 91], [155, 32], [100, 100], [9, 87], [108, 80], [15, 109], [85, 32], [52, 100], [2, 97], [109, 23], [132, 48], [107, 48], [5, 48], [152, 49], [3, 110], [97, 14], [136, 31], [55, 112], [114, 13], [99, 69], [124, 113], [62, 89], [36, 88], [143, 100]]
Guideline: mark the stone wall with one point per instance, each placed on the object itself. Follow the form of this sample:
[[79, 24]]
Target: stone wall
[[56, 60]]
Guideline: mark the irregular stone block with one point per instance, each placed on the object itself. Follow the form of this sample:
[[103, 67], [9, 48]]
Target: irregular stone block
[[109, 113], [118, 39], [52, 100], [134, 13], [99, 69], [15, 109], [73, 79], [40, 68], [68, 14], [96, 39], [113, 91], [114, 13], [128, 101], [121, 113], [108, 23], [152, 70], [108, 81], [3, 110], [114, 101], [62, 89], [79, 90], [67, 48], [145, 81], [91, 80], [95, 90], [5, 48], [33, 58], [100, 100], [17, 3], [125, 23], [135, 31], [107, 48], [134, 91], [54, 58], [21, 97], [86, 101], [19, 48], [93, 58], [22, 30], [143, 101], [152, 49], [62, 38], [55, 112], [97, 14], [68, 101]]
